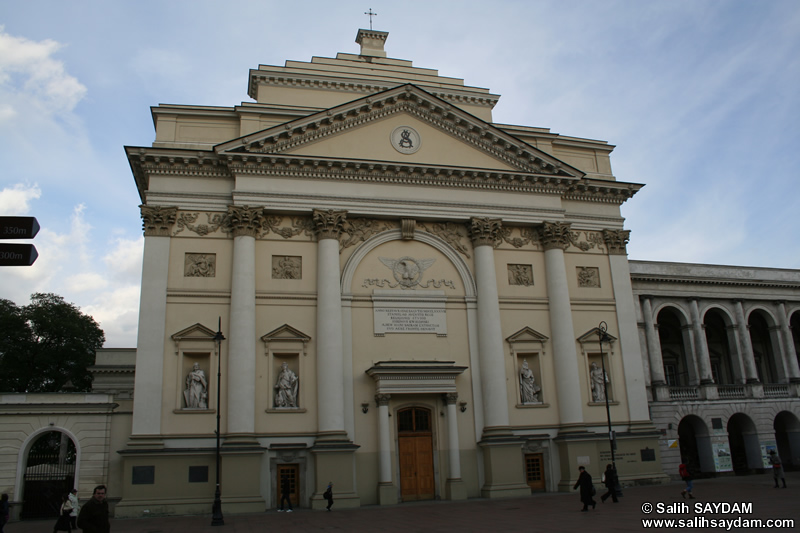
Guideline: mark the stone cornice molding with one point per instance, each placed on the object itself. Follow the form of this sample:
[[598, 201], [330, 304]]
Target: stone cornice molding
[[616, 241], [656, 278], [555, 235], [149, 161], [485, 231], [157, 220], [245, 220], [359, 86], [419, 103], [328, 223]]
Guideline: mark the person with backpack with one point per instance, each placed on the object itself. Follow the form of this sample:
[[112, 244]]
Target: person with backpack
[[683, 470]]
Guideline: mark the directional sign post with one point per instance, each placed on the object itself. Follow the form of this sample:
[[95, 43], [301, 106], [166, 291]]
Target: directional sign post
[[17, 254], [18, 228]]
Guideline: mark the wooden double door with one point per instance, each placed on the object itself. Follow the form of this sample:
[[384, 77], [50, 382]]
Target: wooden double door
[[292, 473], [415, 447]]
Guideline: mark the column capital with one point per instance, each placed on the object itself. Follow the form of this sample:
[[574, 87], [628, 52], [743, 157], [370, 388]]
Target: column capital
[[382, 399], [555, 235], [328, 223], [157, 219], [245, 220], [485, 231], [450, 397], [616, 241]]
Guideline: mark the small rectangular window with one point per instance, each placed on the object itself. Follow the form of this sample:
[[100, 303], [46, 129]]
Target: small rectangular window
[[143, 475], [198, 474]]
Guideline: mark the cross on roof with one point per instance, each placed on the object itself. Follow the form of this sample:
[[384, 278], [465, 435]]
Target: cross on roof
[[371, 14]]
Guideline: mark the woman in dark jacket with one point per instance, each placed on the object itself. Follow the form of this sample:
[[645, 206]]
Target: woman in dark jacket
[[610, 481], [585, 484]]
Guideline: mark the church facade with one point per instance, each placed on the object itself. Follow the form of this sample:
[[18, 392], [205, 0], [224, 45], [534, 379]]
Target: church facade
[[409, 296], [364, 281]]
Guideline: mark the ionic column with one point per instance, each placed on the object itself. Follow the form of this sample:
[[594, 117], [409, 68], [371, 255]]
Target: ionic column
[[555, 239], [330, 354], [653, 345], [157, 222], [452, 436], [384, 439], [241, 379], [700, 344], [484, 234], [789, 353], [743, 330]]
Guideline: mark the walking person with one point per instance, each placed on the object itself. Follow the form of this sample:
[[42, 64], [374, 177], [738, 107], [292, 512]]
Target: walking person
[[93, 517], [777, 468], [328, 495], [610, 481], [286, 494], [5, 510], [587, 489], [683, 470], [63, 523], [73, 516]]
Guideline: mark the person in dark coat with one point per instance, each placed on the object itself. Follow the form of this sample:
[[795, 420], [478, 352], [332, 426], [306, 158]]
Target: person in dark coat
[[93, 517], [585, 484], [4, 511], [328, 495], [286, 494], [610, 481]]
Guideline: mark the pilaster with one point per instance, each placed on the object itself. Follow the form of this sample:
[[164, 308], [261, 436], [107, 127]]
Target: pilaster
[[157, 223]]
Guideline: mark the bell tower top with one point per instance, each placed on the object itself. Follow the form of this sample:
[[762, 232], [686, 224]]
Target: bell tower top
[[372, 42]]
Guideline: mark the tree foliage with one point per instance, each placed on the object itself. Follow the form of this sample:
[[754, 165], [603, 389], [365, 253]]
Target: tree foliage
[[45, 344]]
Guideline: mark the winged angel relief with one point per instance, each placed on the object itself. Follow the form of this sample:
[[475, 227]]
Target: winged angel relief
[[408, 273]]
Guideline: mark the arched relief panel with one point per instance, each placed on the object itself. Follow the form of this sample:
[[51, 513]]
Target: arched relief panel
[[464, 282]]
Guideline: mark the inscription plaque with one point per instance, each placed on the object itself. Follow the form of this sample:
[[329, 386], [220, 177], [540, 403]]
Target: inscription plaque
[[409, 312]]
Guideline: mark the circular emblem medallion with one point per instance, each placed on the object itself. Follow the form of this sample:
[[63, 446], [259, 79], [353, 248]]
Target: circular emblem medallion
[[406, 140]]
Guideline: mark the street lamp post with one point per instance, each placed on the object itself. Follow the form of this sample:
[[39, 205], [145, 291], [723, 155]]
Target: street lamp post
[[216, 510], [601, 332]]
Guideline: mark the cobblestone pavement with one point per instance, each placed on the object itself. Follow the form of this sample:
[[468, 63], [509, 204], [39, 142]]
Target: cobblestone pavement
[[540, 512]]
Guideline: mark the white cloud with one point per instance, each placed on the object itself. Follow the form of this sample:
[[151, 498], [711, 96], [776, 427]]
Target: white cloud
[[30, 75], [15, 199]]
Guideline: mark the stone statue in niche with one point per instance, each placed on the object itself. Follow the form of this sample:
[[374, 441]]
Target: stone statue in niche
[[287, 267], [196, 393], [200, 266], [286, 387], [588, 277], [528, 389], [520, 275], [599, 380]]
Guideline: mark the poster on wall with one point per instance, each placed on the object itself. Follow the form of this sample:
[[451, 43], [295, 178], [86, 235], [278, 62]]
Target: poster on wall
[[722, 457], [766, 446]]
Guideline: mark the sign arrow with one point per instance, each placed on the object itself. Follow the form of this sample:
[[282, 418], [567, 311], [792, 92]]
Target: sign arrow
[[18, 227], [17, 254]]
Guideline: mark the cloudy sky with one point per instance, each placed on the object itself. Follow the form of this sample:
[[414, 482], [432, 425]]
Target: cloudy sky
[[699, 96]]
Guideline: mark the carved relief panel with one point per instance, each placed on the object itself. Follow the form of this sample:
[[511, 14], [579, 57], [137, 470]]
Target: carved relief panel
[[588, 277], [200, 265], [520, 274], [287, 267]]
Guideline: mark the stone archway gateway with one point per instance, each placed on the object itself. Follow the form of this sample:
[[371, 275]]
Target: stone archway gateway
[[49, 474]]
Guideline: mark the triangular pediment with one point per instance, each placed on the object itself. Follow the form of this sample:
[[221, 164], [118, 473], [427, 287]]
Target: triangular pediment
[[362, 130], [197, 332], [527, 334], [594, 334], [285, 333]]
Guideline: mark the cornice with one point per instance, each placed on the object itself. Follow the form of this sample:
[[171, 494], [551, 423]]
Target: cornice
[[651, 278], [359, 86]]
